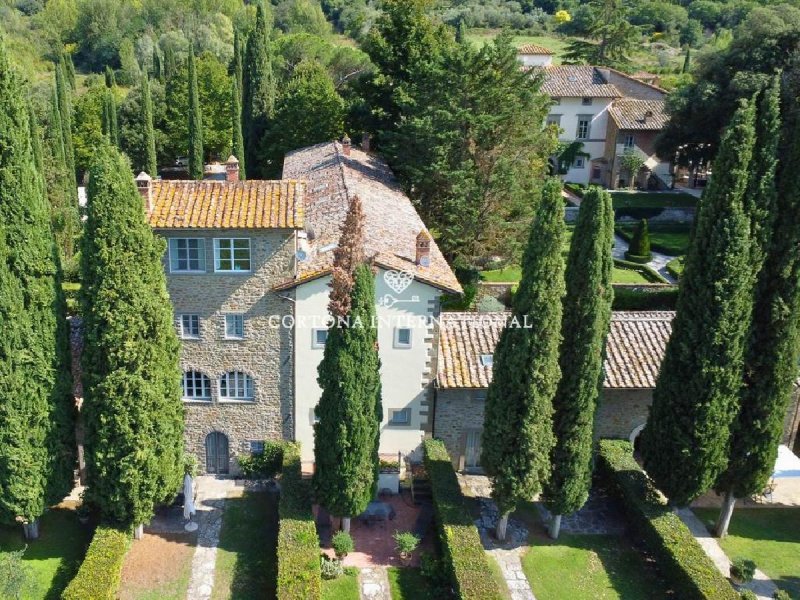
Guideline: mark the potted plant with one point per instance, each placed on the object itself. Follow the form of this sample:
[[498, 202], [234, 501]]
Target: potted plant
[[342, 544], [406, 542], [742, 570]]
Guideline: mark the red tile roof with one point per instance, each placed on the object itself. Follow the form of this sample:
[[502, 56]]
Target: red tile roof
[[534, 49]]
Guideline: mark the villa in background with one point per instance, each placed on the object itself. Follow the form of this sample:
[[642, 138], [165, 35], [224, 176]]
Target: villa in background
[[610, 113], [248, 265]]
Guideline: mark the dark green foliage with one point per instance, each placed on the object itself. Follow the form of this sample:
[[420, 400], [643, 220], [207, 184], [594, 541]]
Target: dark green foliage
[[347, 434], [679, 557], [258, 98], [109, 122], [237, 145], [587, 315], [772, 347], [685, 443], [151, 162], [64, 100], [645, 298], [687, 61], [298, 545], [110, 78], [640, 243], [69, 69], [518, 427], [611, 33], [263, 465], [239, 46], [309, 111], [132, 407], [463, 553], [37, 444], [101, 571], [196, 156]]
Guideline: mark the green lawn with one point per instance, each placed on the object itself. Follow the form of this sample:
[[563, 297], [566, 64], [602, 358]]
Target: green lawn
[[675, 266], [54, 558], [481, 37], [588, 567], [341, 588], [652, 200], [513, 274], [246, 559], [409, 584], [667, 238], [768, 536]]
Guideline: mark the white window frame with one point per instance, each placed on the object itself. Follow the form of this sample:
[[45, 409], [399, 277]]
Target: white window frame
[[398, 343], [182, 332], [487, 360], [201, 254], [401, 423], [240, 383], [193, 379], [237, 319], [231, 263], [580, 162], [588, 120], [315, 343]]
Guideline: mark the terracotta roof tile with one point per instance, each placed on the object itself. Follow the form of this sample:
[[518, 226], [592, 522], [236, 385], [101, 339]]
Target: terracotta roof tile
[[391, 221], [534, 49], [576, 81], [215, 204], [634, 351], [643, 115]]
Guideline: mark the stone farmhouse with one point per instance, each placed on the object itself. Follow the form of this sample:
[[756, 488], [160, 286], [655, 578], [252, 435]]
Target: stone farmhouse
[[607, 111], [248, 265], [634, 351]]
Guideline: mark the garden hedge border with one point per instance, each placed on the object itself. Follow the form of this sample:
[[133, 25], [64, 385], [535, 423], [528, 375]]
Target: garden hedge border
[[100, 573], [647, 272], [462, 550], [299, 573], [628, 236], [682, 560]]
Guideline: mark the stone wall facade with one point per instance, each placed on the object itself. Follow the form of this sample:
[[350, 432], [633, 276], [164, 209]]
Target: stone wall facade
[[264, 353]]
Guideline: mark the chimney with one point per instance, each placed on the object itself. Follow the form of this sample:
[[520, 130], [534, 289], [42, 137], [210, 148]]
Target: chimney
[[346, 145], [144, 183], [232, 169], [365, 142], [423, 258]]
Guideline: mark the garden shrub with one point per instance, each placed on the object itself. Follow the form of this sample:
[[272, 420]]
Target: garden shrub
[[781, 595], [299, 572], [576, 188], [462, 551], [330, 568], [264, 465], [748, 595], [101, 571], [645, 297], [342, 544], [639, 248], [743, 569], [678, 555]]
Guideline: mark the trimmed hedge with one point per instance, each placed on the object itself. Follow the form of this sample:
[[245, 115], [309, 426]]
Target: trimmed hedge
[[299, 572], [101, 571], [648, 273], [683, 562], [462, 551], [576, 188], [639, 260]]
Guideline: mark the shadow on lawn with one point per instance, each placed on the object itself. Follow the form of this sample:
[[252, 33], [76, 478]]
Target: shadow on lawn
[[250, 533]]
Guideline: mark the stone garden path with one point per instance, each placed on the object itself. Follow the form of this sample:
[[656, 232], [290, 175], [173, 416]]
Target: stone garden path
[[762, 585], [658, 263], [373, 584], [210, 504]]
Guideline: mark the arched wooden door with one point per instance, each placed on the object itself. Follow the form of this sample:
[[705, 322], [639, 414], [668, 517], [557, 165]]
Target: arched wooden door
[[217, 457]]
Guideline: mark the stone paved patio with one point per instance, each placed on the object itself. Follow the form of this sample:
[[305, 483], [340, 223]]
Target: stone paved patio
[[373, 584], [600, 515]]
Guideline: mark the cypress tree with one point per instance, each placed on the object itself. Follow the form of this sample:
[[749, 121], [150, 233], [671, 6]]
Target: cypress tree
[[69, 69], [65, 110], [238, 65], [111, 79], [151, 163], [132, 407], [36, 141], [587, 315], [196, 164], [158, 69], [770, 356], [518, 428], [237, 146], [105, 117], [346, 436], [61, 191], [686, 440], [639, 247], [37, 445], [687, 61], [258, 99], [170, 63]]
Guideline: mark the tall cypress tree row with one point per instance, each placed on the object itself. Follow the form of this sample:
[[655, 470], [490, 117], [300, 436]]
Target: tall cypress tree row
[[686, 440], [258, 100], [37, 445], [64, 214], [346, 436], [65, 113], [518, 427], [132, 406], [587, 315], [151, 163], [771, 355], [196, 163], [69, 69], [237, 146], [238, 65]]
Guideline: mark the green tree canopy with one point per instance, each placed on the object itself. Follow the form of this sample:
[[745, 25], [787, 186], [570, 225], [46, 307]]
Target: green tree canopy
[[196, 154], [132, 407], [258, 102]]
